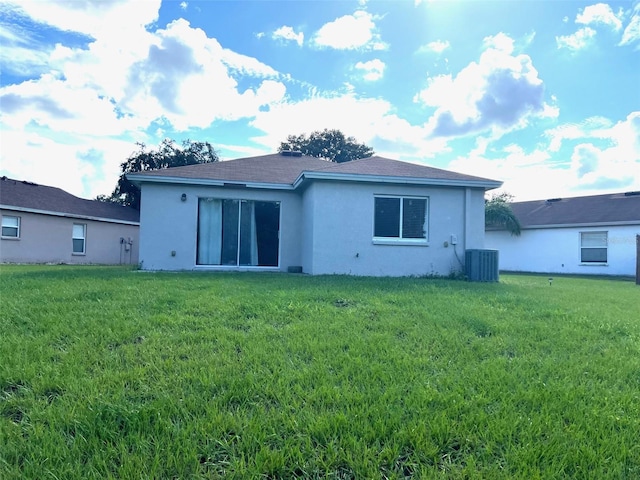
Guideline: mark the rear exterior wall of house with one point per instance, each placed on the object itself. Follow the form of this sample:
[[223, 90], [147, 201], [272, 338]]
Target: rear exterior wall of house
[[169, 232], [339, 237], [326, 228]]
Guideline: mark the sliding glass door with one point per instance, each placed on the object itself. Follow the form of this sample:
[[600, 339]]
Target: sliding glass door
[[238, 232]]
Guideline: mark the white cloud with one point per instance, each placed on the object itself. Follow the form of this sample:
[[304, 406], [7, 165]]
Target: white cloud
[[593, 127], [287, 33], [184, 5], [437, 46], [23, 61], [600, 13], [350, 32], [369, 120], [19, 53], [631, 33], [61, 107], [189, 79], [500, 42], [94, 18], [576, 41], [94, 171], [169, 74], [515, 167], [592, 169], [119, 85], [585, 159], [614, 167], [373, 69], [499, 92], [607, 156]]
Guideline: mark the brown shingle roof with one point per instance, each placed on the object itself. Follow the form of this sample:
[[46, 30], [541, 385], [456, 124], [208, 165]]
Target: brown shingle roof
[[280, 169], [380, 166], [595, 209], [31, 196], [275, 168]]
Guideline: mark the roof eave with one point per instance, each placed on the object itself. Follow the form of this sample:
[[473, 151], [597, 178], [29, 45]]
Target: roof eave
[[139, 179], [621, 223], [68, 215], [353, 177]]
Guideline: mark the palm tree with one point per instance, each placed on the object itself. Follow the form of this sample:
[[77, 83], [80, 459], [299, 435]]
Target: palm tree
[[498, 214]]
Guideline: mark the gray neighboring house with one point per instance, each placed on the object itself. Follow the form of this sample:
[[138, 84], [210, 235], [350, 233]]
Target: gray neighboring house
[[42, 224], [290, 212], [591, 235]]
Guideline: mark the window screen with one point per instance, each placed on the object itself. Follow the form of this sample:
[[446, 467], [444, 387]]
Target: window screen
[[10, 226], [78, 238], [400, 217], [593, 247]]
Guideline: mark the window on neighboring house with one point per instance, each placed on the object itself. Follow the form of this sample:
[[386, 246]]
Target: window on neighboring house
[[401, 217], [10, 226], [593, 247], [79, 238], [238, 232]]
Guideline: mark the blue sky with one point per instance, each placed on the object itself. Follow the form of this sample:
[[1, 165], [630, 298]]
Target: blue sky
[[543, 95]]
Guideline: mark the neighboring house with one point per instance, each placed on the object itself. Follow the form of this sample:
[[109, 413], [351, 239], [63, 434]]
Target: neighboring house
[[586, 235], [43, 224], [290, 212]]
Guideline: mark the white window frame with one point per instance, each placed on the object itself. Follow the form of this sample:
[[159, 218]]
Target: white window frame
[[6, 225], [83, 238], [400, 240], [605, 245]]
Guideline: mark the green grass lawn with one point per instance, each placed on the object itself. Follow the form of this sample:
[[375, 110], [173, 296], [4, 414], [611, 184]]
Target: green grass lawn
[[107, 372]]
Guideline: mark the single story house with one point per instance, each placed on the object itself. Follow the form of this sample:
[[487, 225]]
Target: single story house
[[580, 235], [42, 224], [291, 212]]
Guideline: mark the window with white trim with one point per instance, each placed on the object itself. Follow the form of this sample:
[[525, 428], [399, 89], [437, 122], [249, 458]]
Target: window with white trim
[[10, 226], [79, 238], [402, 218], [593, 247]]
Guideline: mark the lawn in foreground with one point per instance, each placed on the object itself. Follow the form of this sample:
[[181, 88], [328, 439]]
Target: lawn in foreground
[[107, 372]]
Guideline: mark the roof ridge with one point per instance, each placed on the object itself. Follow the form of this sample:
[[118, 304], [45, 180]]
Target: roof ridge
[[556, 200]]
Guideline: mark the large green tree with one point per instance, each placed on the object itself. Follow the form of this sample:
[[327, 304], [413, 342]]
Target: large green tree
[[330, 145], [499, 214], [168, 154]]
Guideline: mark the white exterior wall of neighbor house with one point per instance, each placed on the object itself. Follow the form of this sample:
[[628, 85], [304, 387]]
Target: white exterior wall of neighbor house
[[338, 230], [171, 225], [48, 239], [557, 250]]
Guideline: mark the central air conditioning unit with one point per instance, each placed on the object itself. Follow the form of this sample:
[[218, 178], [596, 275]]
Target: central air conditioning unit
[[481, 265]]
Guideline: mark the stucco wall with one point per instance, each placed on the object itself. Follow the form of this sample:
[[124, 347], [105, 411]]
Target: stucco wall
[[557, 250], [48, 239], [342, 233], [474, 218], [170, 225], [327, 228], [310, 201]]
